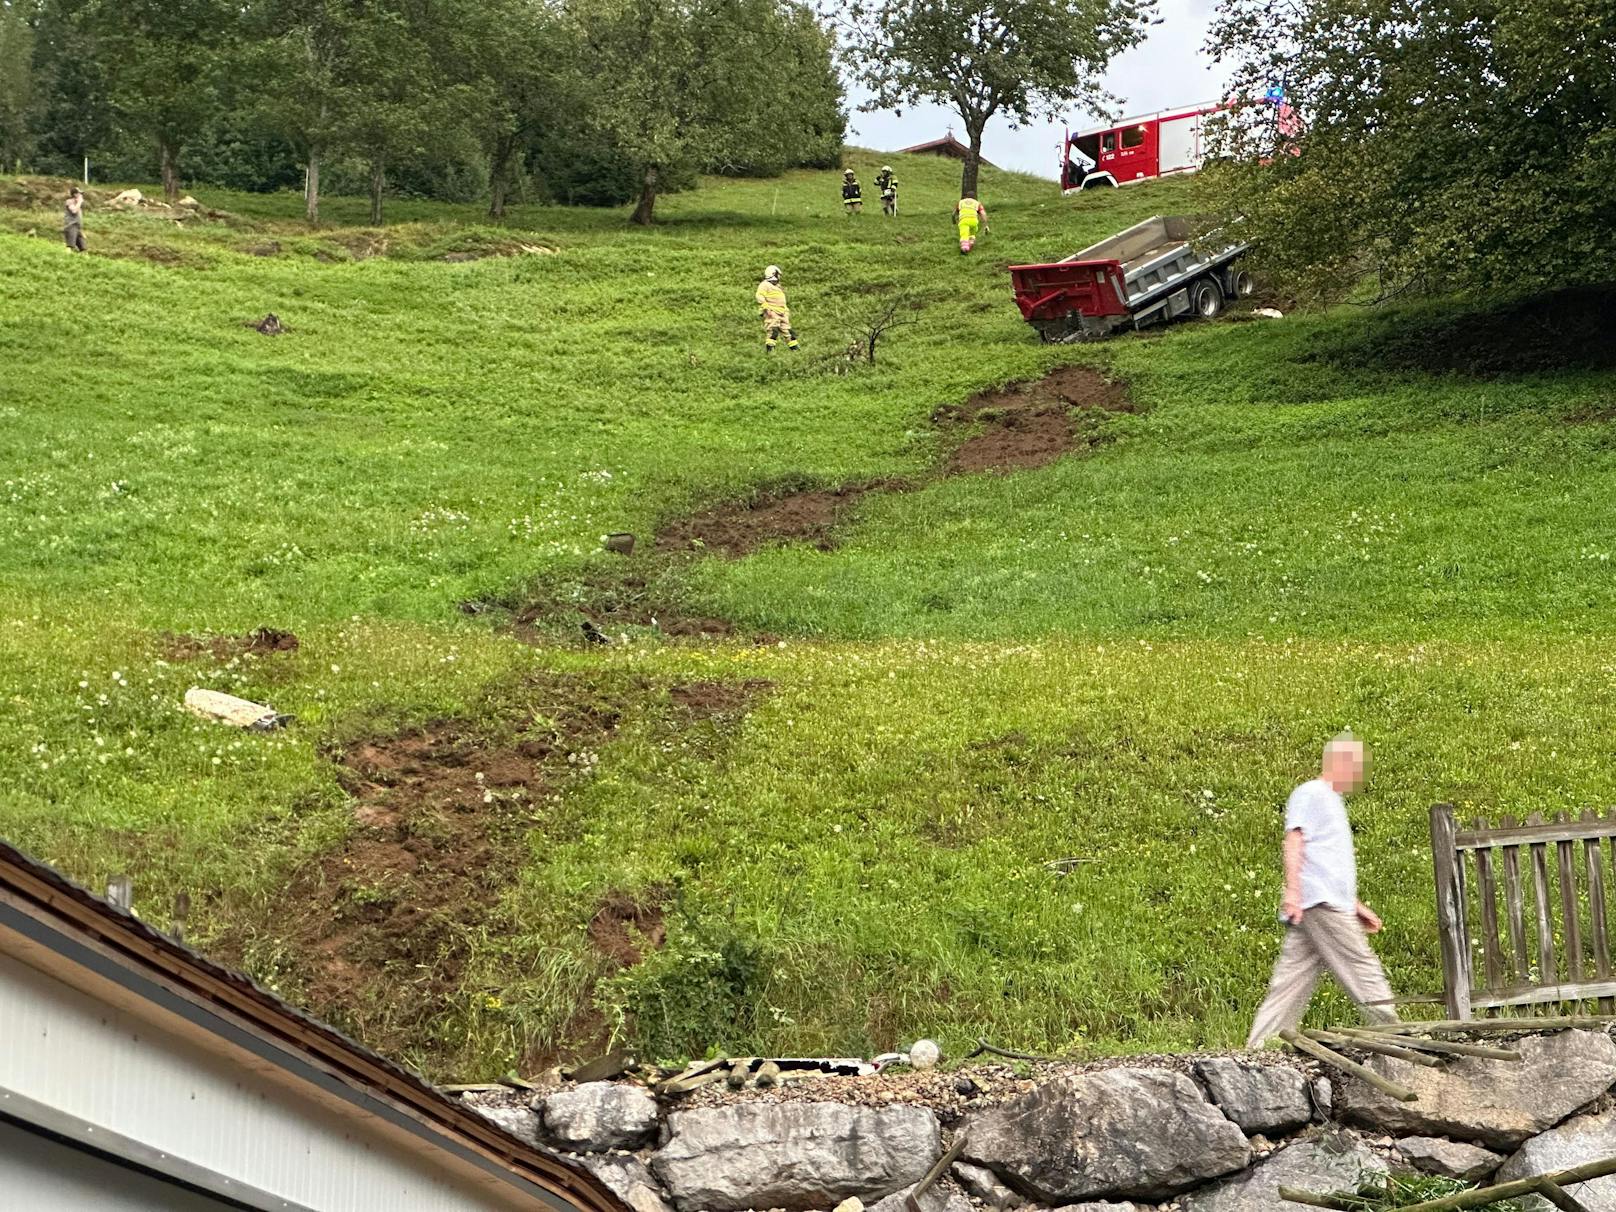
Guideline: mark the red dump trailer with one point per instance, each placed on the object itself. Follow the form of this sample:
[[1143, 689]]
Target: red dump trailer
[[1149, 274]]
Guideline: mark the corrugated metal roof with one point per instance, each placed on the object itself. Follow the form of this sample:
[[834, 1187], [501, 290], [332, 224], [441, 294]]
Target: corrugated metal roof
[[54, 897]]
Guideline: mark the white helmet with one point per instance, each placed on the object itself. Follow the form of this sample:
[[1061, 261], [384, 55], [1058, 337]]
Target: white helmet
[[772, 274]]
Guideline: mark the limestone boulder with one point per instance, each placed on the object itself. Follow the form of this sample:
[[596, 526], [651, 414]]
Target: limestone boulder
[[1331, 1163], [1268, 1099], [939, 1197], [1111, 1134], [1584, 1139], [599, 1116], [1448, 1158], [793, 1155], [520, 1122], [628, 1178], [984, 1185], [1496, 1103]]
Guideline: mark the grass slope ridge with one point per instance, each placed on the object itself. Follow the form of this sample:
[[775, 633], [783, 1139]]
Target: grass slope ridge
[[1124, 657]]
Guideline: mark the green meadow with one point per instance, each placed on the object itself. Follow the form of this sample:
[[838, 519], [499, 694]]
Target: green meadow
[[1122, 660]]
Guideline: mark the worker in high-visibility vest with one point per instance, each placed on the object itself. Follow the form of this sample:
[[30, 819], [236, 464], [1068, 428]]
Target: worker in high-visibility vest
[[971, 215], [771, 301]]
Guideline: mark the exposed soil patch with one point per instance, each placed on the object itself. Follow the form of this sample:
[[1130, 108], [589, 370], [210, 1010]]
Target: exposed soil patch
[[1021, 426], [1562, 330], [807, 516], [379, 933], [1028, 425], [719, 698], [624, 928], [260, 641], [1016, 428], [613, 604]]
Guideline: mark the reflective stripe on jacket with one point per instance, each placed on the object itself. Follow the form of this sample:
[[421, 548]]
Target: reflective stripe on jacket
[[770, 297]]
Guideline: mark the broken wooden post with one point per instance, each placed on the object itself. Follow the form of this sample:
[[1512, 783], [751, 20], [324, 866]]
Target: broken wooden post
[[911, 1202], [1379, 1046], [1481, 1197], [1341, 1203], [1499, 1026], [1556, 1195], [1442, 1047], [739, 1072], [768, 1075], [1330, 1057]]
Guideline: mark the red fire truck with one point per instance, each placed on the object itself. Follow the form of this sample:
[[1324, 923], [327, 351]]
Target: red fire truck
[[1136, 149]]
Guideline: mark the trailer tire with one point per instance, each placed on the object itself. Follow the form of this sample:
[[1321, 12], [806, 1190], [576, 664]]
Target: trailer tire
[[1206, 297], [1244, 284]]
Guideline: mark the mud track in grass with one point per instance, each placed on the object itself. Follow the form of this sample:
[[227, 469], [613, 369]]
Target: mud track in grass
[[380, 934], [1018, 427]]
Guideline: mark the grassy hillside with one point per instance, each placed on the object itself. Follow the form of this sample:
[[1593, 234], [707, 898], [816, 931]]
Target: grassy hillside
[[825, 825]]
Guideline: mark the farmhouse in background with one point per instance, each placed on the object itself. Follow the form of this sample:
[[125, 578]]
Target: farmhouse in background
[[136, 1075], [948, 147]]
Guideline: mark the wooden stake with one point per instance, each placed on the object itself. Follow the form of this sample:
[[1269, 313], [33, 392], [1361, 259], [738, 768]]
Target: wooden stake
[[1481, 1197], [1443, 1047], [1317, 1050], [1556, 1195], [1296, 1196], [911, 1201], [1372, 1045], [1496, 1026]]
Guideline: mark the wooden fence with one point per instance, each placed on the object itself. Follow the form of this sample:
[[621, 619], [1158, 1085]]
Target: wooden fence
[[1540, 926]]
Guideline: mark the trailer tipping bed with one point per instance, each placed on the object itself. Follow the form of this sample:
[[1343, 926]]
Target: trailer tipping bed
[[1148, 274]]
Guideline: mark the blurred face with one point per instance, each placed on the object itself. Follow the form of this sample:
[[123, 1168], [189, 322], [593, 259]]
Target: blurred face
[[1346, 767]]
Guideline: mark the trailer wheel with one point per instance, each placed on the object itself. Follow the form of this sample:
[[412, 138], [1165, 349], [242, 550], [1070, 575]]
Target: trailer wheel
[[1244, 284], [1206, 296]]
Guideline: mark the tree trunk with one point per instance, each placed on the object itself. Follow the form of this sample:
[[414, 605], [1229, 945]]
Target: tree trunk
[[499, 177], [311, 190], [171, 170], [973, 162], [642, 212], [378, 182]]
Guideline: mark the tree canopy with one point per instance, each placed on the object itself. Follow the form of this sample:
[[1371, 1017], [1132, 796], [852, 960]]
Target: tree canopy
[[1445, 144], [1025, 59], [614, 99]]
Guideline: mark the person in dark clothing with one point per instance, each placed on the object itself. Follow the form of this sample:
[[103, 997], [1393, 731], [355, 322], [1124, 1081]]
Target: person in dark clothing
[[73, 220], [852, 196], [887, 185]]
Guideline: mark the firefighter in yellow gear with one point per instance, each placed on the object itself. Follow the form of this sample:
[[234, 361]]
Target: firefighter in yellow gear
[[771, 301], [971, 215]]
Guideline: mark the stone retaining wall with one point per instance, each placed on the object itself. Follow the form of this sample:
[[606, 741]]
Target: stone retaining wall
[[1201, 1134]]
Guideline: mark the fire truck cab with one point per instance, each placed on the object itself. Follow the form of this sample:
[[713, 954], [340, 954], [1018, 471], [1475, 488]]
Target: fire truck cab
[[1136, 149]]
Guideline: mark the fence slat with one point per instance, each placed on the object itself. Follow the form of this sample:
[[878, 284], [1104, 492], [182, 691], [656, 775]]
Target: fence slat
[[1597, 923], [1487, 889], [1520, 970], [1548, 969], [1570, 918], [1448, 864]]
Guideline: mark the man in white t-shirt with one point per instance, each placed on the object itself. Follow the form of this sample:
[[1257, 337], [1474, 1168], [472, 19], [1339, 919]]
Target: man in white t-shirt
[[1325, 921]]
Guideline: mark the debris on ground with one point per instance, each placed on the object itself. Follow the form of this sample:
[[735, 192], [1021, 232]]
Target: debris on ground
[[619, 542], [1268, 313], [228, 709], [128, 197], [260, 641], [270, 325]]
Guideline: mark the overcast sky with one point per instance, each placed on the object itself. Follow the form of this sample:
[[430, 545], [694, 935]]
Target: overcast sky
[[1168, 69]]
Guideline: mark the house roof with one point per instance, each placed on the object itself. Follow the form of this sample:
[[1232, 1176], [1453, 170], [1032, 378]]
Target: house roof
[[45, 895], [946, 146]]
